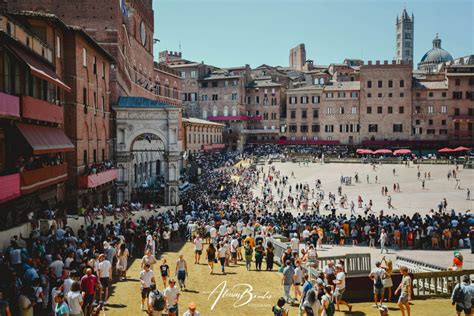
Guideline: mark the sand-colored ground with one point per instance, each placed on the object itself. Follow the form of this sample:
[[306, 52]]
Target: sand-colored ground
[[412, 197], [236, 286]]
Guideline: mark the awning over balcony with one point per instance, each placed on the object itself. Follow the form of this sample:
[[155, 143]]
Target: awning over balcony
[[94, 180], [9, 187], [39, 69], [44, 139]]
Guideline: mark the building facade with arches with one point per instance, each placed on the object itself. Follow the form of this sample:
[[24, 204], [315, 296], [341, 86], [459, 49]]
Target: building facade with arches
[[148, 150]]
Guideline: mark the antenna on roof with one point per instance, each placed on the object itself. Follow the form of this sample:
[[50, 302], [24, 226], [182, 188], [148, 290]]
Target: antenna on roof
[[180, 47]]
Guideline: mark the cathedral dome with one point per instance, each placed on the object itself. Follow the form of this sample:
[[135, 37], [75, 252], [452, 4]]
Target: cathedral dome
[[434, 56]]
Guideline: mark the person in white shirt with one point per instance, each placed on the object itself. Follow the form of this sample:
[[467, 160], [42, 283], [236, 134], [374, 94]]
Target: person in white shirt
[[306, 235], [197, 249], [213, 233], [147, 278], [295, 245], [234, 247], [104, 273], [171, 294], [67, 284], [75, 300], [298, 279], [340, 283], [222, 250], [377, 275], [150, 243], [222, 230], [240, 226]]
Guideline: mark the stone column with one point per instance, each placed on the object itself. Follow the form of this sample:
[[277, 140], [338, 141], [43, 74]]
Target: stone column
[[172, 179]]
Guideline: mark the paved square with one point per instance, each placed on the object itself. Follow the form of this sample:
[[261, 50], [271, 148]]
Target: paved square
[[412, 197]]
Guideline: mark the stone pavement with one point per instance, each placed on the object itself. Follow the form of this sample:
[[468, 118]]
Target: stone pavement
[[411, 199]]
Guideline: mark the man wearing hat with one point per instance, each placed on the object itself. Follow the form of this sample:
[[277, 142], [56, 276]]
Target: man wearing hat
[[192, 310]]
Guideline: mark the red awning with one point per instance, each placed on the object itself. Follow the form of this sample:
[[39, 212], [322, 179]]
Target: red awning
[[44, 139], [40, 69]]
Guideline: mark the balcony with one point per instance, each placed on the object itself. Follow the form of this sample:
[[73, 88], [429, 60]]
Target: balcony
[[97, 179], [37, 109], [9, 187], [34, 180], [9, 105]]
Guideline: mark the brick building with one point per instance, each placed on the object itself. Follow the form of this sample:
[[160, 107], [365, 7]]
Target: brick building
[[303, 113], [340, 112], [297, 58], [33, 144], [222, 100], [190, 73], [201, 135], [91, 174], [385, 101], [263, 99]]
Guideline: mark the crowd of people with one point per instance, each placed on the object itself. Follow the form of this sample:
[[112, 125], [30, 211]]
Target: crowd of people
[[98, 167], [38, 161], [64, 272]]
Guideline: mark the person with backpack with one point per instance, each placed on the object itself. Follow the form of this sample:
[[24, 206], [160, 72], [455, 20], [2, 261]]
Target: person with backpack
[[328, 307], [156, 301], [462, 296], [279, 309], [377, 275], [248, 251]]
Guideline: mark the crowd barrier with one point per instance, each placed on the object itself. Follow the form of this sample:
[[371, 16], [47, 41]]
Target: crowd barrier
[[415, 266], [355, 264]]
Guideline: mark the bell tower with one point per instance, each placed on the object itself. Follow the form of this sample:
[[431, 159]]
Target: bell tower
[[405, 37]]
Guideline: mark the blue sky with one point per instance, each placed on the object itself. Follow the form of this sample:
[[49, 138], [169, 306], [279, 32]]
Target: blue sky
[[228, 33]]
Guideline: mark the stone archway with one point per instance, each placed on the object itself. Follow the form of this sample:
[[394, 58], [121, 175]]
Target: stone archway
[[146, 135]]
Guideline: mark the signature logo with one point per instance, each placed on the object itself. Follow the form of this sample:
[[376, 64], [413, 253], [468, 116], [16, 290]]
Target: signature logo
[[242, 294]]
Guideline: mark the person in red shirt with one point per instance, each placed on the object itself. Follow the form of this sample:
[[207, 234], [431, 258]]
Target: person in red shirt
[[88, 285]]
